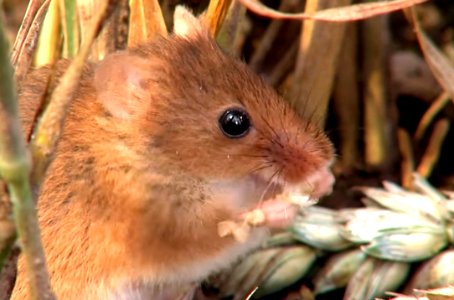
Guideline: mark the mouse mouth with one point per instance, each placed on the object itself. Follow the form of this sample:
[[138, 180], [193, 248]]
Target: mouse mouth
[[274, 204], [269, 189], [279, 204], [276, 188], [274, 210], [310, 188]]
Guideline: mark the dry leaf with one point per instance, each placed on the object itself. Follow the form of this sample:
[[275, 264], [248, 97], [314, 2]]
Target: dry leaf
[[340, 14], [27, 38], [440, 65]]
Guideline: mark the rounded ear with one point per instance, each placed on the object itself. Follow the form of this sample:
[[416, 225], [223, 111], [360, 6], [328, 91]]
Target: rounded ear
[[120, 81], [185, 24]]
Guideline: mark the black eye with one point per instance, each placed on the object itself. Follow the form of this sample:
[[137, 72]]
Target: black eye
[[235, 123]]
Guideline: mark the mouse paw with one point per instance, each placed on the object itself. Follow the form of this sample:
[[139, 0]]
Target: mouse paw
[[276, 213]]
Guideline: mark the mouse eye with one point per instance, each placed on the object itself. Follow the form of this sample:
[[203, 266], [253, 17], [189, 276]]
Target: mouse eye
[[234, 123]]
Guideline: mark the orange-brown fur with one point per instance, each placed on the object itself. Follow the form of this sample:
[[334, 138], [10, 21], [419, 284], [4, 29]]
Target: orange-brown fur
[[135, 201]]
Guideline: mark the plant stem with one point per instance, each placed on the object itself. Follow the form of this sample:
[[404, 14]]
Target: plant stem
[[15, 168], [50, 126]]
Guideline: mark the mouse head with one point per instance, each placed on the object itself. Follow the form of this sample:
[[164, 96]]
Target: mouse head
[[207, 114]]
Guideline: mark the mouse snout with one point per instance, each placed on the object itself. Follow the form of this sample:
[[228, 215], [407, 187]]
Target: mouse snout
[[321, 183], [301, 159]]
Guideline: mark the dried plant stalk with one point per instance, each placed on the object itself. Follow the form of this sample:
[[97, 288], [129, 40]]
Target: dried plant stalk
[[346, 100], [317, 61], [85, 11], [15, 166], [407, 166], [376, 136], [233, 33], [269, 37], [433, 150], [442, 68], [27, 38], [88, 11], [284, 66], [215, 15], [430, 114], [145, 21], [47, 51]]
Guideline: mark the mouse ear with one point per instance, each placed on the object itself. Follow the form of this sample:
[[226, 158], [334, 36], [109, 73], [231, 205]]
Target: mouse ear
[[120, 84], [185, 24]]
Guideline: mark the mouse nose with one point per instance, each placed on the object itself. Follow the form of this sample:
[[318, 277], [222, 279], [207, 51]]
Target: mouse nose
[[322, 182], [302, 158]]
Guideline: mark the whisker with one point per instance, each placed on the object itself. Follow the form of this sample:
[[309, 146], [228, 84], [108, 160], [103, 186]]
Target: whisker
[[270, 182], [259, 168], [278, 175], [256, 169], [249, 155]]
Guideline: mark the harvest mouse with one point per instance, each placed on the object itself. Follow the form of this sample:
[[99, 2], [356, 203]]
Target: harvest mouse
[[161, 143]]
